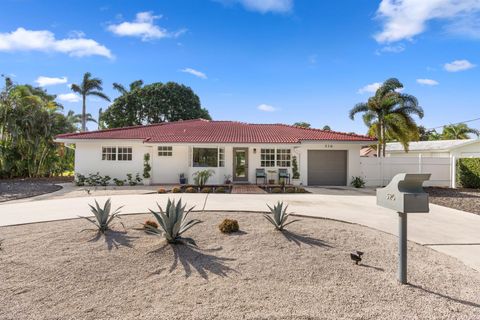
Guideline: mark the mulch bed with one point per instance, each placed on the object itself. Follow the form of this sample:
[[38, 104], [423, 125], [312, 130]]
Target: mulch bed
[[13, 189], [460, 199]]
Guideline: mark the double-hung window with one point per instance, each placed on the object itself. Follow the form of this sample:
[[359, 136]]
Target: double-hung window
[[283, 157], [165, 151], [124, 153], [109, 153], [275, 157]]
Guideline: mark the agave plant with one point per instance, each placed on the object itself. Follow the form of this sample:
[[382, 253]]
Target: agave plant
[[103, 216], [279, 216], [173, 222]]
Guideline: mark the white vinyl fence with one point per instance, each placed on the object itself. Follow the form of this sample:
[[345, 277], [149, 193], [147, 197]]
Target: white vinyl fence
[[379, 171]]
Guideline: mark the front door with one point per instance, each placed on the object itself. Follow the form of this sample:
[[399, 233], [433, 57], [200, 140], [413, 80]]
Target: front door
[[240, 164]]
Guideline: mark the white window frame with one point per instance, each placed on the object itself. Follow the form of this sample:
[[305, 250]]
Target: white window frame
[[124, 153], [283, 158], [109, 153], [165, 151], [267, 159]]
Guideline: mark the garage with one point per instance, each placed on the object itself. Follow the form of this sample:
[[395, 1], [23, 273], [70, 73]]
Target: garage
[[327, 167]]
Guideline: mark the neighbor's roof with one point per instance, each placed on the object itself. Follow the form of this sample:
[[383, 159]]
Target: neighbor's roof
[[437, 145], [206, 131]]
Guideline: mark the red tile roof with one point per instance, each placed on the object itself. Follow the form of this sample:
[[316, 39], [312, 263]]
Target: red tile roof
[[206, 131]]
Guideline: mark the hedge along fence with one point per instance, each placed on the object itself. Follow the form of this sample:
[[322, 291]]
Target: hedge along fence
[[468, 172]]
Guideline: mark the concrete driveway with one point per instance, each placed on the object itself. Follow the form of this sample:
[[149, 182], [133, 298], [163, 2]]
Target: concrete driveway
[[450, 231]]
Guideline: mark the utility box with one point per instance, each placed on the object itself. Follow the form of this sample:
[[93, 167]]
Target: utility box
[[405, 193]]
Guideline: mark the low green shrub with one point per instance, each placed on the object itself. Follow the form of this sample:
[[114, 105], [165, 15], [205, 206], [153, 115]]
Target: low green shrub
[[176, 190], [206, 190], [357, 182], [301, 190], [228, 226], [290, 190], [80, 180], [220, 190], [468, 172], [105, 181], [118, 182], [191, 190], [277, 190], [161, 190]]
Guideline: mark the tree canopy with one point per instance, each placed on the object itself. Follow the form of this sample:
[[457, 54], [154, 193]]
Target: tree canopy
[[153, 103], [302, 124], [30, 119], [389, 115]]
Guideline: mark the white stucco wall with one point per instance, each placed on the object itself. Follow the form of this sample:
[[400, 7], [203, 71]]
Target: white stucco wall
[[165, 169], [88, 158]]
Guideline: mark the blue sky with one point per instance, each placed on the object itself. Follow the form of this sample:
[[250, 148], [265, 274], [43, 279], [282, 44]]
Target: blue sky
[[254, 60]]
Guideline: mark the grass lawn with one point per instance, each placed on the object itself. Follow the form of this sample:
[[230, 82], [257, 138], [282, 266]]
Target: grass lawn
[[53, 271]]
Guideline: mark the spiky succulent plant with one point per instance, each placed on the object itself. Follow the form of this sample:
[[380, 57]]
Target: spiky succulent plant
[[173, 221], [278, 216], [103, 216]]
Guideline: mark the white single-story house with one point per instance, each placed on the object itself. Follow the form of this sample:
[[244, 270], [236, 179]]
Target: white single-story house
[[231, 149], [468, 148]]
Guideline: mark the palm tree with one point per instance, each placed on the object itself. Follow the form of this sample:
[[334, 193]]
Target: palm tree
[[134, 85], [73, 120], [89, 87], [458, 131], [388, 114]]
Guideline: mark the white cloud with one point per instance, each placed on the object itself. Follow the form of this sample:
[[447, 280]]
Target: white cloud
[[264, 6], [404, 19], [266, 108], [50, 81], [68, 97], [391, 49], [44, 40], [143, 27], [369, 88], [427, 82], [194, 72], [458, 65]]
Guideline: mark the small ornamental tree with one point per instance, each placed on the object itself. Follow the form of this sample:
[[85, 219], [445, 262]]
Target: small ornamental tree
[[296, 173], [146, 166]]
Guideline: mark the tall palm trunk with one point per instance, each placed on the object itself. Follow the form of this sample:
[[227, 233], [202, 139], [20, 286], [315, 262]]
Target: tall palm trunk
[[84, 114]]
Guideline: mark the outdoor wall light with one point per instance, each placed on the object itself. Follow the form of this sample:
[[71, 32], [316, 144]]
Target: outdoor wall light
[[254, 150]]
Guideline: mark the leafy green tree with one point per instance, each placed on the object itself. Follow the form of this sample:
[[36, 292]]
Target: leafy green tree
[[153, 103], [326, 128], [89, 87], [30, 120], [302, 124], [458, 131], [389, 115], [427, 135]]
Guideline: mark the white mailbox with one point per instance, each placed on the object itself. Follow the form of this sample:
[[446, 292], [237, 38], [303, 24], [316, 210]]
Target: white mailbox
[[404, 194]]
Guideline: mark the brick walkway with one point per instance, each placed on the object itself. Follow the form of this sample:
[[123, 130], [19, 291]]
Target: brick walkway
[[247, 189]]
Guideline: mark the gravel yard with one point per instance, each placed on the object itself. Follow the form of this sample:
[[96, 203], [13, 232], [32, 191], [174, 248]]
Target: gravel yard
[[460, 199], [25, 188], [53, 271]]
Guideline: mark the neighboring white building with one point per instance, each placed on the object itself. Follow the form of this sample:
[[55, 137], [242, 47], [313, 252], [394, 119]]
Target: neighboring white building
[[229, 148], [469, 148]]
